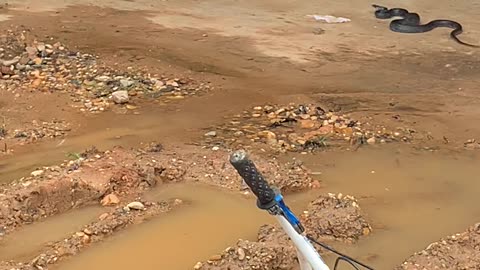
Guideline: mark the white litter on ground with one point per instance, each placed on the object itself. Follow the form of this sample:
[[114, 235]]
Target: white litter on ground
[[329, 18]]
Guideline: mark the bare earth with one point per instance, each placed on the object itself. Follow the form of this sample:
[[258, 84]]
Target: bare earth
[[165, 90]]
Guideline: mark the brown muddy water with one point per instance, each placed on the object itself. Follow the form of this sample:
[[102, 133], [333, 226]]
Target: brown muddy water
[[26, 243], [411, 198], [212, 220]]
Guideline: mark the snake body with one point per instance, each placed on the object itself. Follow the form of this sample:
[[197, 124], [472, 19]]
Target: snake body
[[410, 23]]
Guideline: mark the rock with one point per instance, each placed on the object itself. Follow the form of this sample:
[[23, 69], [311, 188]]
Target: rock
[[173, 83], [216, 258], [136, 206], [7, 70], [158, 83], [31, 51], [270, 137], [20, 67], [36, 173], [38, 61], [41, 47], [126, 83], [120, 97], [102, 78], [103, 216], [11, 62], [24, 60], [307, 124], [241, 254], [215, 148], [110, 199], [371, 140], [198, 266], [211, 134]]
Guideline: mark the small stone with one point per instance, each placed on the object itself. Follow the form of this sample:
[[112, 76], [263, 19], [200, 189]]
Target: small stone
[[88, 231], [20, 67], [241, 254], [307, 124], [102, 78], [173, 83], [176, 97], [41, 47], [238, 133], [31, 51], [86, 239], [256, 115], [126, 83], [110, 199], [38, 61], [198, 266], [120, 97], [371, 140], [136, 206], [7, 70], [24, 60], [215, 148], [177, 202], [130, 107], [316, 184], [258, 108], [216, 258], [211, 134], [270, 136], [12, 62], [36, 173], [103, 216]]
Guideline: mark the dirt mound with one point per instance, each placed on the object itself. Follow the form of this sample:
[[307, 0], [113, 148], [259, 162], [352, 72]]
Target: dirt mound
[[335, 217], [459, 251], [85, 180], [299, 128], [213, 167], [252, 255], [332, 217]]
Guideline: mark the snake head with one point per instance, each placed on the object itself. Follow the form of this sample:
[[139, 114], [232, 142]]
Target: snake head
[[377, 7]]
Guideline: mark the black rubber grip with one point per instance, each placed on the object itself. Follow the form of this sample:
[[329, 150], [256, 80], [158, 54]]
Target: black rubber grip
[[248, 171]]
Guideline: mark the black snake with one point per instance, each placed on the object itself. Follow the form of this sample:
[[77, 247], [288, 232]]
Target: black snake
[[410, 23]]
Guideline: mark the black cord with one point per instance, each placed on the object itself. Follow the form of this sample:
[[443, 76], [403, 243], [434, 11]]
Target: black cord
[[346, 260], [344, 257]]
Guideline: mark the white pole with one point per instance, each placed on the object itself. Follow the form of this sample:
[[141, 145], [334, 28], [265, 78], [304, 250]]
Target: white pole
[[304, 247]]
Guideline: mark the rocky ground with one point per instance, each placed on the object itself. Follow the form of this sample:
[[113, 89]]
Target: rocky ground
[[51, 89], [117, 178], [31, 65], [302, 128], [459, 251], [328, 218]]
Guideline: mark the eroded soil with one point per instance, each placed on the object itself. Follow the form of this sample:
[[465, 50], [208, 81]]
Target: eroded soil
[[165, 90]]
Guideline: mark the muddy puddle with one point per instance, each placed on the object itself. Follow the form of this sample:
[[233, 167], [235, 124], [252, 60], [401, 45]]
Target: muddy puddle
[[27, 242], [212, 220], [411, 198]]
